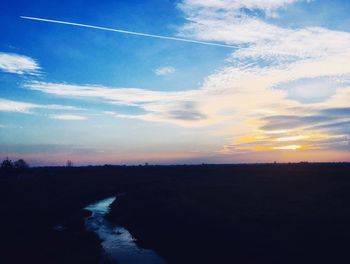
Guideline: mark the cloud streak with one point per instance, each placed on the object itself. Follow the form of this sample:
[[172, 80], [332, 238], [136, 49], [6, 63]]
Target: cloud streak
[[68, 117], [128, 32], [174, 107], [26, 108]]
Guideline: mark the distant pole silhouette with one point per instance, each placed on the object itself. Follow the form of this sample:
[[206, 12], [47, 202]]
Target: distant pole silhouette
[[69, 163]]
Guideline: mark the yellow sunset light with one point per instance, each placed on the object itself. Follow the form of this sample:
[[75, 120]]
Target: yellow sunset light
[[289, 147], [292, 138]]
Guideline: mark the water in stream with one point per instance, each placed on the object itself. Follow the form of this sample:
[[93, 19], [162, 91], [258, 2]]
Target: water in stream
[[117, 242]]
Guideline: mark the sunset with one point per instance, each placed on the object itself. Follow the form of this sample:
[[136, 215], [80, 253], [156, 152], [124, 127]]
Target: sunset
[[126, 123], [190, 85]]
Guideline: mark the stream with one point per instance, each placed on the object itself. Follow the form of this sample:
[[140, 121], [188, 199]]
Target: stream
[[117, 242]]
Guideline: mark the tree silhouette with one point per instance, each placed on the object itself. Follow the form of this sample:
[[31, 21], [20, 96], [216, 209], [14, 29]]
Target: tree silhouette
[[7, 164], [21, 164]]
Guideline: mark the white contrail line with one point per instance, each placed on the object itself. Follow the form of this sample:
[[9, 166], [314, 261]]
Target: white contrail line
[[128, 32]]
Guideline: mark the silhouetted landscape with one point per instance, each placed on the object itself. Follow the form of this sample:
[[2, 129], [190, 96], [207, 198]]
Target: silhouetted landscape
[[175, 132], [257, 213]]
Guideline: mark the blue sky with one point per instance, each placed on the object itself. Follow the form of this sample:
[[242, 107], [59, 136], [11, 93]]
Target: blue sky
[[98, 97]]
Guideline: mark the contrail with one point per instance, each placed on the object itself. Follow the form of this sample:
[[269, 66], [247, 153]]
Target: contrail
[[128, 32]]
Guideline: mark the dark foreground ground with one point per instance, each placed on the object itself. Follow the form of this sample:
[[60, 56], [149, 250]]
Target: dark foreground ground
[[239, 214]]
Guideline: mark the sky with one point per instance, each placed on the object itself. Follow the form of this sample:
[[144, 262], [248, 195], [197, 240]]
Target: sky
[[276, 87]]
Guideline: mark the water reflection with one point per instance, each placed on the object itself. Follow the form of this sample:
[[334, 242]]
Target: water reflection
[[117, 242]]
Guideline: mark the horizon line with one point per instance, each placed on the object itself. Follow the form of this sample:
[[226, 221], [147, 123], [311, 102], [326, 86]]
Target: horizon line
[[194, 164]]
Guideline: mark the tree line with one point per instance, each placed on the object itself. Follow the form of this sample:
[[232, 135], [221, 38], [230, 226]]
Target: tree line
[[8, 164]]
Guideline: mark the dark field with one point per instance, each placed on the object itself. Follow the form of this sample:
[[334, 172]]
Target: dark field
[[239, 214]]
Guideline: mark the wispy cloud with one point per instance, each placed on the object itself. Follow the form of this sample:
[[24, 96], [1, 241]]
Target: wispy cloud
[[68, 117], [25, 108], [164, 70], [19, 64], [267, 6], [160, 106], [227, 21]]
